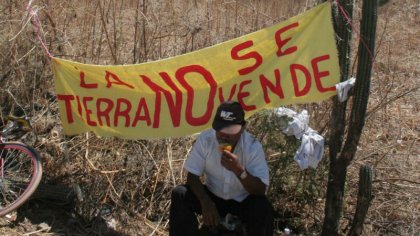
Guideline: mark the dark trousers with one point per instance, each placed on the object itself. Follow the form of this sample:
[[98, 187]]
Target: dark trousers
[[255, 211]]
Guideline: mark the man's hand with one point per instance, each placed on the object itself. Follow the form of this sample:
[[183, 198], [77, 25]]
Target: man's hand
[[230, 161], [210, 213], [252, 184]]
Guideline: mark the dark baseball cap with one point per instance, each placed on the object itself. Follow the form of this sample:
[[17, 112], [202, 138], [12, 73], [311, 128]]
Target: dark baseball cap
[[227, 114]]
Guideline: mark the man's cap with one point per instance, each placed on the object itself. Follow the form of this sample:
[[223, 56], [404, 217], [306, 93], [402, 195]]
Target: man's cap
[[227, 114]]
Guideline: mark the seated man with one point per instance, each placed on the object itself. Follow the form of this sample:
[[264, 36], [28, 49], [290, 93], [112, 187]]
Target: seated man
[[236, 179]]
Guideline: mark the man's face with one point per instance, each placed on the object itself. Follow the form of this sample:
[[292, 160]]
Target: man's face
[[230, 138]]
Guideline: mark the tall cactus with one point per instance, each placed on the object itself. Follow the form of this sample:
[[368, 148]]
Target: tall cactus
[[364, 70], [338, 166], [334, 196], [344, 34], [364, 198]]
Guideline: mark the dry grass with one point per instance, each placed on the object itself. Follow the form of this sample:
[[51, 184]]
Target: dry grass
[[130, 181]]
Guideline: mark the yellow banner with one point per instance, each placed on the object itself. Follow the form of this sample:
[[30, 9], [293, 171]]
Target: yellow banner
[[292, 62]]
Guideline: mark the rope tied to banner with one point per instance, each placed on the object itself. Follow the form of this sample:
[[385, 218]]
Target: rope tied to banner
[[33, 15]]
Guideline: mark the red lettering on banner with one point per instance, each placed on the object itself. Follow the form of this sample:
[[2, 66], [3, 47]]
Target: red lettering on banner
[[305, 89], [174, 107], [120, 111], [242, 95], [158, 99], [67, 102], [79, 107], [281, 42], [253, 54], [180, 75], [232, 92], [319, 74], [88, 111], [83, 84], [266, 84], [104, 112], [109, 76], [146, 117]]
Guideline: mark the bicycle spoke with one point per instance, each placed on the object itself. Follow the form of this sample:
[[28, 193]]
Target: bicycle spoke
[[16, 173]]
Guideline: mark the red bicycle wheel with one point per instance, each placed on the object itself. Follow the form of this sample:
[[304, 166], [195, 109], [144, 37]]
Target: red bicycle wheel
[[20, 175]]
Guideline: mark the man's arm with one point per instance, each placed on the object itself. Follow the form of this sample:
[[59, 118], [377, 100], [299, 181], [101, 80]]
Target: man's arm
[[209, 211], [252, 184]]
